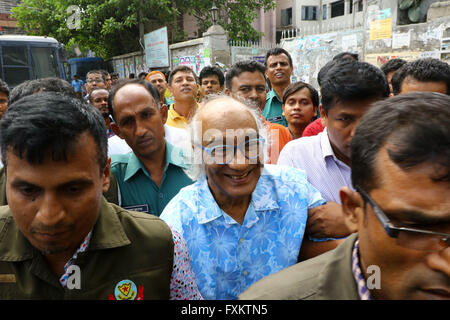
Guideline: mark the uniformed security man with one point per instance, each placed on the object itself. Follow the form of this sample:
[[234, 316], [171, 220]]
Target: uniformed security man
[[59, 237]]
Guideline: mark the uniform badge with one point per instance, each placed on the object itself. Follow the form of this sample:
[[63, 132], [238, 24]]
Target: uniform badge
[[127, 290]]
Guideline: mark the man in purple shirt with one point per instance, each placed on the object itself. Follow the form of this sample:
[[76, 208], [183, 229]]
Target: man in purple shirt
[[348, 91]]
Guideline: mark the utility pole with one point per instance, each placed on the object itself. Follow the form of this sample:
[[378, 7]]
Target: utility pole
[[141, 24], [320, 12], [365, 5]]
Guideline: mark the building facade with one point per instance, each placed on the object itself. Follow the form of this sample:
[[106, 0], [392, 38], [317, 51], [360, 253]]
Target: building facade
[[8, 25]]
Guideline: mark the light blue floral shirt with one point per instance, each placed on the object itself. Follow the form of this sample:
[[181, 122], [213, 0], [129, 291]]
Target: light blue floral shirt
[[228, 257]]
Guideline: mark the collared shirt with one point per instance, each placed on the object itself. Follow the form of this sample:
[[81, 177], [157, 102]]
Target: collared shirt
[[137, 189], [83, 247], [77, 84], [122, 246], [174, 119], [273, 111], [182, 282], [228, 257], [363, 292], [315, 155], [279, 137]]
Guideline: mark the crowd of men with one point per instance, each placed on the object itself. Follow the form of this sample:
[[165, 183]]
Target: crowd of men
[[234, 184]]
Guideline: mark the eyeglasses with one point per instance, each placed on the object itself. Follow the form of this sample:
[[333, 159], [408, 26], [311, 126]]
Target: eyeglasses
[[224, 154], [94, 80], [412, 238]]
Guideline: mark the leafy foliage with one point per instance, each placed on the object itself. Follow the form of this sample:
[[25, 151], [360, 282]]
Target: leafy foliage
[[413, 7], [236, 16], [111, 27]]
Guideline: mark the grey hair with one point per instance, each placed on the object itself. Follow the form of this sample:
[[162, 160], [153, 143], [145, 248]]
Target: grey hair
[[197, 169]]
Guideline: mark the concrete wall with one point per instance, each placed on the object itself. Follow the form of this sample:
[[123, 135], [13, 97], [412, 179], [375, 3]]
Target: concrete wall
[[191, 53], [374, 45], [311, 53], [128, 63]]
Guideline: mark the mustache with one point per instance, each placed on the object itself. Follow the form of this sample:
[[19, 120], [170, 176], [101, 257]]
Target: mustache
[[57, 228], [144, 138]]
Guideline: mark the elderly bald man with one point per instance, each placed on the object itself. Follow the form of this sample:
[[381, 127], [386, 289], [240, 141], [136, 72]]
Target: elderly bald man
[[242, 220]]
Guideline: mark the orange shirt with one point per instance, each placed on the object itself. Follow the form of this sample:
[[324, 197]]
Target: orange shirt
[[279, 137]]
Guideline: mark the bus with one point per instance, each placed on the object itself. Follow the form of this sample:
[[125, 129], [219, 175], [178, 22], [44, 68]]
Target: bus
[[81, 66], [30, 57]]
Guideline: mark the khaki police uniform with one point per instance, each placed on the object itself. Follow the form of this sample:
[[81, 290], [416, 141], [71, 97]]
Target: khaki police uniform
[[130, 256]]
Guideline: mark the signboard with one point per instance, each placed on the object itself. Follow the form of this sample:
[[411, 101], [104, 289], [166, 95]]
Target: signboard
[[378, 59], [381, 29], [400, 40], [195, 62], [157, 48]]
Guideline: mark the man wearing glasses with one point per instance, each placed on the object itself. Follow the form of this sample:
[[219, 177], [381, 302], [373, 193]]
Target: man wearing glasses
[[242, 219], [400, 211], [94, 79]]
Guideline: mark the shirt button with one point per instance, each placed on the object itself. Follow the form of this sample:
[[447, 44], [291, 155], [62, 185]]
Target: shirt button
[[161, 195], [245, 273], [241, 240]]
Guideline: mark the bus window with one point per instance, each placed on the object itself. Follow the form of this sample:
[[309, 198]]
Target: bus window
[[44, 62], [15, 76], [16, 56], [15, 65]]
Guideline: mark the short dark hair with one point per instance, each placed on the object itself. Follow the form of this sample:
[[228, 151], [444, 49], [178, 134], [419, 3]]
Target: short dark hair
[[297, 86], [392, 65], [94, 90], [352, 81], [181, 68], [102, 72], [212, 71], [324, 70], [124, 82], [4, 87], [50, 122], [114, 74], [423, 70], [51, 84], [243, 66], [404, 125], [277, 51], [142, 74], [346, 56]]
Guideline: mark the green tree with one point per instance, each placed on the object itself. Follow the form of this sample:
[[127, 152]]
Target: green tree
[[235, 16], [111, 27], [107, 27]]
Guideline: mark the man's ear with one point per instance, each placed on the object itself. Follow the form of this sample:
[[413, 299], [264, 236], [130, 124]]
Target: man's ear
[[282, 108], [163, 112], [106, 175], [323, 116], [315, 109], [115, 128], [352, 207]]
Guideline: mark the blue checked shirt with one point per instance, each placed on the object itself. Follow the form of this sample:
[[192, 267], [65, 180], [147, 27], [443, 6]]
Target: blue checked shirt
[[228, 257], [364, 293]]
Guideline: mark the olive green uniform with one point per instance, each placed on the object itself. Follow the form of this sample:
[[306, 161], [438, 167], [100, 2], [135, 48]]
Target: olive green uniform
[[131, 246]]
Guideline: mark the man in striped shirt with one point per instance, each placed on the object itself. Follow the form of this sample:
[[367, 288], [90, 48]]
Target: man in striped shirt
[[348, 91]]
